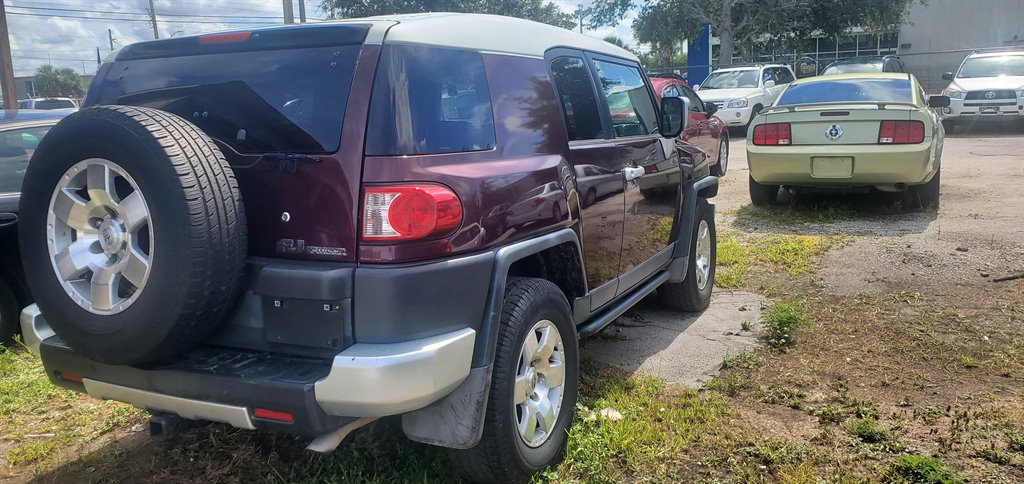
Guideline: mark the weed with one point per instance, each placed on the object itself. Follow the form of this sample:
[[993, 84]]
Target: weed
[[867, 430], [968, 362], [778, 453], [993, 454], [780, 319], [746, 359], [776, 395], [1015, 441], [730, 385], [919, 469], [830, 414], [746, 325]]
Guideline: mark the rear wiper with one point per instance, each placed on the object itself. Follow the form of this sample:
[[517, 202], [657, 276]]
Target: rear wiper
[[289, 162]]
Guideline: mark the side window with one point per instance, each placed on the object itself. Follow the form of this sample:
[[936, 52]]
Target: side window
[[16, 147], [696, 105], [767, 74], [576, 93], [429, 100], [632, 110], [23, 105], [785, 76], [670, 91]]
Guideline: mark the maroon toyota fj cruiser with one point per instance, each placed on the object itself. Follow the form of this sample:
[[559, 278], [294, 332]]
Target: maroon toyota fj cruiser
[[413, 239]]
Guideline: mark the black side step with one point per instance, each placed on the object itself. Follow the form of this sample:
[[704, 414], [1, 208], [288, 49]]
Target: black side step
[[605, 317]]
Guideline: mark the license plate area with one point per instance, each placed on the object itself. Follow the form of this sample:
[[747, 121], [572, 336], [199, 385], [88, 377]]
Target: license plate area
[[989, 110], [832, 166]]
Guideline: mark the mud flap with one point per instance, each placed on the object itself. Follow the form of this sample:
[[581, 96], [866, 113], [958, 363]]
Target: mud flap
[[455, 421]]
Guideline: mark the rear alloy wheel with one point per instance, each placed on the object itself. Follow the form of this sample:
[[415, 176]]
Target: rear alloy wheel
[[762, 195], [694, 292], [723, 158], [533, 387]]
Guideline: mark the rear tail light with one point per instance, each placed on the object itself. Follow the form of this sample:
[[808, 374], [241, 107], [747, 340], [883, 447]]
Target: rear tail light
[[900, 132], [406, 212], [772, 134]]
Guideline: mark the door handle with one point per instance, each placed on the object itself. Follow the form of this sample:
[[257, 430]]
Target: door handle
[[632, 173]]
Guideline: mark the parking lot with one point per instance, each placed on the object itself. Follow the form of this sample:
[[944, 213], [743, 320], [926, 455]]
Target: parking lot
[[907, 343]]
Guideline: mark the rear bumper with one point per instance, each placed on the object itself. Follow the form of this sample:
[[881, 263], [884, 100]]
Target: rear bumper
[[872, 165], [225, 385]]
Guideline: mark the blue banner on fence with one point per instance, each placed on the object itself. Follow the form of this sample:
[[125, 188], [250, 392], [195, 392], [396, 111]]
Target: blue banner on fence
[[698, 63]]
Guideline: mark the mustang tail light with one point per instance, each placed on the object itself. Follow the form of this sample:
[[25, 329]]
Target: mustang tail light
[[407, 212], [900, 132], [772, 134]]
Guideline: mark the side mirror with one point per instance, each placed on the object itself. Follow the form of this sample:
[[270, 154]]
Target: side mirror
[[673, 116], [938, 101], [947, 76], [711, 108], [769, 84], [696, 87]]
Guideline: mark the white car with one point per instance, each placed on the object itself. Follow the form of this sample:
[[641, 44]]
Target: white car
[[987, 86], [742, 91], [48, 103]]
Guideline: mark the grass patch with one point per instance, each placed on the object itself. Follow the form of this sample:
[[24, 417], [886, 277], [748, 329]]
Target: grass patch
[[919, 469], [780, 320], [868, 431], [1015, 441], [38, 418], [778, 453], [659, 424], [796, 213], [793, 254], [748, 360]]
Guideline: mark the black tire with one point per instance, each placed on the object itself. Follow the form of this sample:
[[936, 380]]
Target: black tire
[[502, 455], [688, 295], [195, 210], [590, 197], [762, 195], [720, 169], [753, 114], [949, 125], [927, 196], [9, 312]]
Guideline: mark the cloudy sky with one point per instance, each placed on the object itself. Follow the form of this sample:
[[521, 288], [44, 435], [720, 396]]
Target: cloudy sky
[[66, 33]]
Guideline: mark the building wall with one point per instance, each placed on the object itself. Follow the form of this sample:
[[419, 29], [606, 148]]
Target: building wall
[[960, 26]]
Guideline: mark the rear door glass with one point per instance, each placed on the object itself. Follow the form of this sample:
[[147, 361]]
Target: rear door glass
[[16, 148], [429, 100], [256, 101], [576, 93], [54, 104]]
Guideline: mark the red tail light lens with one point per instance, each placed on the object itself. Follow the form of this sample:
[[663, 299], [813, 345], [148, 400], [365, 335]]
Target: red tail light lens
[[772, 134], [265, 414], [900, 132], [407, 212]]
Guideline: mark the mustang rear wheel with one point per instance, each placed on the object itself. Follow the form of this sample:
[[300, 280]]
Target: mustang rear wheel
[[763, 194]]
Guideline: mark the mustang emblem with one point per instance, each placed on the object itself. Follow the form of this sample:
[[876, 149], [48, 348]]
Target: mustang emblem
[[833, 132], [990, 95]]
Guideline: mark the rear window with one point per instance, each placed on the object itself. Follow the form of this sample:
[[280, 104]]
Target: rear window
[[849, 90], [54, 104], [429, 100], [853, 68], [256, 101]]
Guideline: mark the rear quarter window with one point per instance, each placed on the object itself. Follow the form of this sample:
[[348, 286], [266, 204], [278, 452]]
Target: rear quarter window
[[848, 90], [429, 100]]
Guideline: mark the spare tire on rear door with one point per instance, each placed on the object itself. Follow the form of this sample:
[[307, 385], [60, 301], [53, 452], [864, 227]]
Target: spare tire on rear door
[[133, 233]]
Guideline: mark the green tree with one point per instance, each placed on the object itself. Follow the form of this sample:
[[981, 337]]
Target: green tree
[[536, 10], [739, 22], [63, 82], [615, 40]]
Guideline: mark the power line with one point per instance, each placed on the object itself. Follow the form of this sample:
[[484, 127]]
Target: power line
[[229, 22], [77, 10]]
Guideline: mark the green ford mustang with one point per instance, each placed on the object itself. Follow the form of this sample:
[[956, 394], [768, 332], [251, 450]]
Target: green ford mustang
[[852, 131]]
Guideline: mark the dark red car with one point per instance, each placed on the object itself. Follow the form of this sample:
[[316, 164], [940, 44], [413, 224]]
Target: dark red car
[[302, 229], [704, 131]]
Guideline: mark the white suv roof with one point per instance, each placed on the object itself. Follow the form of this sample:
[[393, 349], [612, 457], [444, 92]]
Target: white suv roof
[[996, 54]]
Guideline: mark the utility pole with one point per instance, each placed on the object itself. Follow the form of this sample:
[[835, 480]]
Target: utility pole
[[6, 64], [302, 11], [152, 19], [110, 36], [579, 12], [289, 15]]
